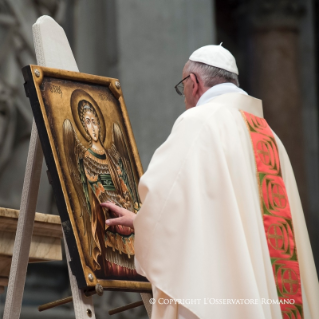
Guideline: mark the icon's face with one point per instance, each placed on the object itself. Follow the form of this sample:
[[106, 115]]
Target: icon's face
[[92, 125]]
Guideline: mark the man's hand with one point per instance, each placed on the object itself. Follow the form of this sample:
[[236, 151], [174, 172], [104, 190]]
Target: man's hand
[[125, 218]]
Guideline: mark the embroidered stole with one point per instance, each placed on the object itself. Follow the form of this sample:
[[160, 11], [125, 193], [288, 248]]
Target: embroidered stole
[[276, 217]]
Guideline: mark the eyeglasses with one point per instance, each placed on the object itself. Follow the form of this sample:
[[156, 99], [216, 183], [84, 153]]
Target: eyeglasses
[[179, 87]]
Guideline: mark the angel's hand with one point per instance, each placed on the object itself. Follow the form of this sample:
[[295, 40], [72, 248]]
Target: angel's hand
[[125, 218]]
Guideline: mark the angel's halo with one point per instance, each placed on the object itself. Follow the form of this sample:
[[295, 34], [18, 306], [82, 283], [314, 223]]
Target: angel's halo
[[77, 96]]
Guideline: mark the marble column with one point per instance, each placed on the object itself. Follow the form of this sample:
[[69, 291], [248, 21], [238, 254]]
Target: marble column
[[309, 87], [275, 77]]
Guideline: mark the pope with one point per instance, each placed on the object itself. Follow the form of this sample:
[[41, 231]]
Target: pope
[[221, 233]]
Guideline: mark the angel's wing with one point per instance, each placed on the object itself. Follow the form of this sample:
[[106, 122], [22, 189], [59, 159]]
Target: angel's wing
[[124, 161], [74, 152]]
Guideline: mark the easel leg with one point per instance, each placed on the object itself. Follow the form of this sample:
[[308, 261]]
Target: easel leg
[[83, 305], [21, 249]]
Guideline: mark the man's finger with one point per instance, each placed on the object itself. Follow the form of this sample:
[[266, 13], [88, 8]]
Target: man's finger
[[114, 221], [117, 210]]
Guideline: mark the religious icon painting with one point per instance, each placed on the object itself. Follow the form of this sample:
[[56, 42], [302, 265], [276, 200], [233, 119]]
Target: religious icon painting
[[92, 158]]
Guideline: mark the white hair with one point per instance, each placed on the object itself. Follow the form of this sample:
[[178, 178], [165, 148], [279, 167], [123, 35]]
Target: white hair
[[211, 75]]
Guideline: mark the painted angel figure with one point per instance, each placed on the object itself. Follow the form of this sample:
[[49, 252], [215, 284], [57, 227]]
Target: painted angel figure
[[99, 175]]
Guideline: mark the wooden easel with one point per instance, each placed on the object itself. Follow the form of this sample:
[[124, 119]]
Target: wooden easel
[[52, 50]]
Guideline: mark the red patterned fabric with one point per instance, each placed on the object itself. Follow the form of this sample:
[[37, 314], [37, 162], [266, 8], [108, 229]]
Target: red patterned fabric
[[276, 217]]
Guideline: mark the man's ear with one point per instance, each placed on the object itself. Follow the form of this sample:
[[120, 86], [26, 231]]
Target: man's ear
[[195, 84]]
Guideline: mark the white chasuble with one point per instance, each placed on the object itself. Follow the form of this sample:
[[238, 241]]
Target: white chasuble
[[199, 237]]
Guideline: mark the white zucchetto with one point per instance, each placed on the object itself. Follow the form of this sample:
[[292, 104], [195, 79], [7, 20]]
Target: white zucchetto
[[217, 56]]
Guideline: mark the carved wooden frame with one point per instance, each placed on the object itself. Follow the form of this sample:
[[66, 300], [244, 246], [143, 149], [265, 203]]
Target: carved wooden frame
[[34, 76]]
